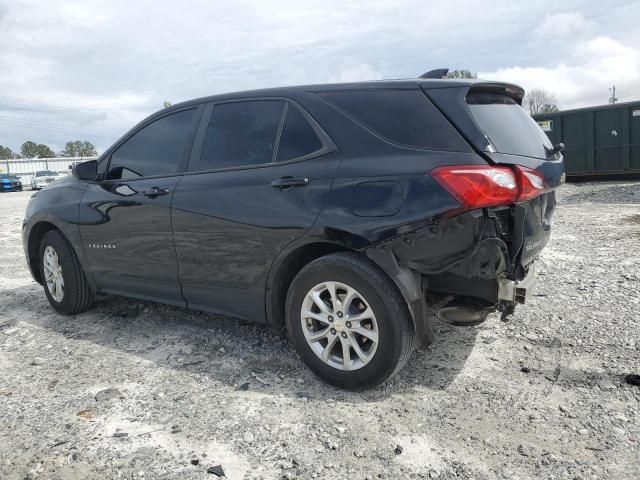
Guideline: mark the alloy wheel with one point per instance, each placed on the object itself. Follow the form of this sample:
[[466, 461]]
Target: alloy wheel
[[53, 273], [339, 325]]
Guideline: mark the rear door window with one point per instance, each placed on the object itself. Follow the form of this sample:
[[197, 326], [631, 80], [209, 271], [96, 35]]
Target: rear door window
[[298, 138], [241, 134], [405, 117], [509, 127]]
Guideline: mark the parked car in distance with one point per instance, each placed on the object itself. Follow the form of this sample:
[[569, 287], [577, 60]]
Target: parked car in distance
[[42, 178], [336, 210], [10, 183]]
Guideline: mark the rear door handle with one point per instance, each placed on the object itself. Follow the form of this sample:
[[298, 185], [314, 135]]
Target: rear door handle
[[289, 182], [156, 192]]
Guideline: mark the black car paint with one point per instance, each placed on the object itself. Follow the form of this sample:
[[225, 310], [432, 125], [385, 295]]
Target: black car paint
[[57, 207], [246, 222], [220, 240], [128, 238]]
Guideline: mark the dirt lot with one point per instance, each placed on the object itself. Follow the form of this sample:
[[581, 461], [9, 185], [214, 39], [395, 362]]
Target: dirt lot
[[138, 390]]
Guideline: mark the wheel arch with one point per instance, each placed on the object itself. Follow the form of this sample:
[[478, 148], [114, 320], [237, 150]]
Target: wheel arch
[[410, 285], [285, 268], [37, 232], [288, 264]]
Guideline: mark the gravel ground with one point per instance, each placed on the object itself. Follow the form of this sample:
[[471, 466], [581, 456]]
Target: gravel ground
[[139, 390]]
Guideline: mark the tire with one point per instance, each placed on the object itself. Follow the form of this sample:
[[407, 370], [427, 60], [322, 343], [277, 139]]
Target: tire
[[358, 284], [76, 295]]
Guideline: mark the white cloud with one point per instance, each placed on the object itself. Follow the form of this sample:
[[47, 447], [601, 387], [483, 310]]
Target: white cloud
[[357, 73], [562, 24], [583, 78], [122, 54]]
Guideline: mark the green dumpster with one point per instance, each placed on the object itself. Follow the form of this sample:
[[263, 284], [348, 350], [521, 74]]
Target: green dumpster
[[603, 140]]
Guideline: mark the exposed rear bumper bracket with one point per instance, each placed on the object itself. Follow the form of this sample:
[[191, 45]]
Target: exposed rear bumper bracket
[[517, 291]]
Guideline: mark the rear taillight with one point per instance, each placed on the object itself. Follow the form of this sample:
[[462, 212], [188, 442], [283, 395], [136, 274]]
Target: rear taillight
[[478, 186], [531, 183]]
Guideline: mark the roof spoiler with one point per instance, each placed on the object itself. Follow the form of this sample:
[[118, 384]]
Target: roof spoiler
[[509, 89], [437, 73]]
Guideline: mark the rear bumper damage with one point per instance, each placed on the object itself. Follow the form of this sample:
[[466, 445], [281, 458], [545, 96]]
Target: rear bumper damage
[[479, 261], [513, 292]]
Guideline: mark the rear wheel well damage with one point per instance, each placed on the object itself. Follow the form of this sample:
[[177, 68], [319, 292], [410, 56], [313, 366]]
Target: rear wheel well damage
[[296, 260], [35, 237], [287, 269], [410, 285]]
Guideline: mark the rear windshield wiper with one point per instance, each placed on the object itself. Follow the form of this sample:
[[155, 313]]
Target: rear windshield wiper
[[557, 148]]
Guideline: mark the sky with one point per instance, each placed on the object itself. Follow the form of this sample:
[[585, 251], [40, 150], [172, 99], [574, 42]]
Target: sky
[[85, 70]]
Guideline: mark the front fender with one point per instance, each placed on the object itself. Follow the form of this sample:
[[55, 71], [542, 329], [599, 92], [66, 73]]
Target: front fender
[[57, 206]]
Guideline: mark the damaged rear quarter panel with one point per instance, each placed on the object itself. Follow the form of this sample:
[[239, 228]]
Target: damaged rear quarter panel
[[462, 255]]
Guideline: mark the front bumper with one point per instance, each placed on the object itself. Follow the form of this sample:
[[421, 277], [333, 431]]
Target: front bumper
[[42, 183]]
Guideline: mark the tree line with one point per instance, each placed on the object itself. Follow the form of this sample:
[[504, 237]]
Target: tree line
[[29, 149]]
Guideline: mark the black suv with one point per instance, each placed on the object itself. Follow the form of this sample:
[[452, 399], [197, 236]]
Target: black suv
[[341, 211]]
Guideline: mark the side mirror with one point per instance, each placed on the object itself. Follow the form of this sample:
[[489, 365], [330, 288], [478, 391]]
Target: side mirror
[[85, 170]]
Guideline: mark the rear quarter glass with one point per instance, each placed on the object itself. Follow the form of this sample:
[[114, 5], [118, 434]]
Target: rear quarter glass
[[298, 137], [403, 117]]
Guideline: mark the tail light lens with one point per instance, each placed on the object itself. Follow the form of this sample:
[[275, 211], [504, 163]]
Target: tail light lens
[[531, 182], [479, 186]]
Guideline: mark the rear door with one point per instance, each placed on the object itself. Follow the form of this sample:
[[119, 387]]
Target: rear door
[[257, 182], [125, 219]]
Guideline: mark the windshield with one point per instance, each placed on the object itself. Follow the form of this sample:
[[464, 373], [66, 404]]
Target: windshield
[[509, 127], [46, 173]]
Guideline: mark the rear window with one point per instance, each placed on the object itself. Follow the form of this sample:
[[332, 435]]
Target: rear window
[[509, 127], [406, 117]]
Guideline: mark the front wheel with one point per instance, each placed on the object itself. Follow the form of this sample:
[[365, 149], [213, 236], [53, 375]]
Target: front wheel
[[64, 281], [348, 322]]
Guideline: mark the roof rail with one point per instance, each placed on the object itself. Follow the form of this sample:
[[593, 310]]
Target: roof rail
[[437, 73]]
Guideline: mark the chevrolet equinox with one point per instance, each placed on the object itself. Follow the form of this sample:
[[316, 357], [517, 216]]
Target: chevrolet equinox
[[340, 211]]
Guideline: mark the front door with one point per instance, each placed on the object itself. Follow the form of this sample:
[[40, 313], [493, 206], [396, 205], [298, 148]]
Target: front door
[[260, 182], [125, 219]]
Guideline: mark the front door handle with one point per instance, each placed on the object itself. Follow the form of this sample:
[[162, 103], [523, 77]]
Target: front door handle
[[156, 192], [289, 182]]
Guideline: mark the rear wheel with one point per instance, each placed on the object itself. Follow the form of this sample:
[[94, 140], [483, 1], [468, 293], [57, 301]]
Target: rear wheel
[[348, 322], [64, 281]]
